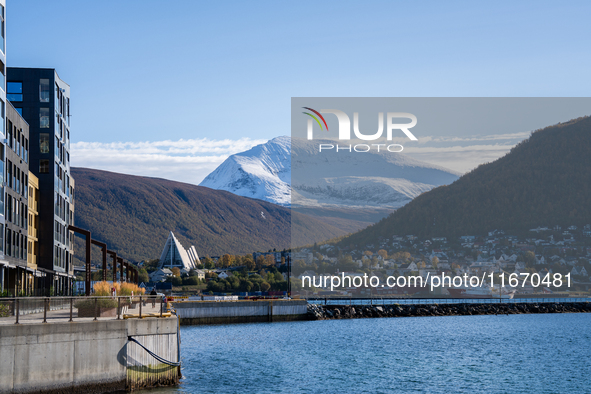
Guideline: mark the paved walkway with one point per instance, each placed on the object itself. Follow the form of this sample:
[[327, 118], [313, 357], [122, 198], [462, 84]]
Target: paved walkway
[[63, 315]]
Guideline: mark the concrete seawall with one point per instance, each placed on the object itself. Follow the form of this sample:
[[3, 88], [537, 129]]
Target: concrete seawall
[[86, 356], [208, 312]]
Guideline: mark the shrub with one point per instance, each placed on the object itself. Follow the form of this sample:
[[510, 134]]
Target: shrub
[[127, 288], [191, 280], [101, 303], [102, 289], [4, 310], [214, 286]]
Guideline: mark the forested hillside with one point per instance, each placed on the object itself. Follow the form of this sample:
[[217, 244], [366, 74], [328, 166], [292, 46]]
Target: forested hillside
[[544, 180], [134, 214]]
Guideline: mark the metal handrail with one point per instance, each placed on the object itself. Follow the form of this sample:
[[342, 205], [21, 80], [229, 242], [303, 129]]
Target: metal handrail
[[18, 304]]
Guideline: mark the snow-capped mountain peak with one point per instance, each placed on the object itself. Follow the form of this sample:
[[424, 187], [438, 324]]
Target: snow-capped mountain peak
[[263, 172], [330, 179]]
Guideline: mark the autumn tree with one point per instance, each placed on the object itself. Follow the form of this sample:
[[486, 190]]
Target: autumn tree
[[260, 261], [226, 261], [248, 262], [269, 260], [265, 286], [143, 275], [207, 262], [434, 261]]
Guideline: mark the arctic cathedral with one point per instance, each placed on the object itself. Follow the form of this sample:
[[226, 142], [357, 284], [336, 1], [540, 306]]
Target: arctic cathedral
[[174, 255]]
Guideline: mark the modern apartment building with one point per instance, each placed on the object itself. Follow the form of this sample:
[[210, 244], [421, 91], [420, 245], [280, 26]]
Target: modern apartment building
[[20, 277], [43, 100]]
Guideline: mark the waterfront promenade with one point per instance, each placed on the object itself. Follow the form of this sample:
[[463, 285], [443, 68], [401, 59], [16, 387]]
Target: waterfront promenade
[[58, 350], [63, 315]]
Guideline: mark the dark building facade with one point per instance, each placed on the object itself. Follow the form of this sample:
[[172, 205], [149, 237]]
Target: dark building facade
[[43, 100]]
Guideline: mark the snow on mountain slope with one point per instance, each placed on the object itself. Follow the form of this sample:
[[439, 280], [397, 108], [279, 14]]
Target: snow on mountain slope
[[263, 172], [329, 178], [362, 179]]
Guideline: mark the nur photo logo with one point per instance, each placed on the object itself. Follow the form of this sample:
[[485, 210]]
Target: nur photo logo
[[344, 129]]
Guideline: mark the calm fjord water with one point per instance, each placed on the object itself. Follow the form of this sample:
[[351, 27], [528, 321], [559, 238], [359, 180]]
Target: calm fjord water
[[546, 353]]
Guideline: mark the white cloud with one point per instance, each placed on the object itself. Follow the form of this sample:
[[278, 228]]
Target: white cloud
[[192, 160], [475, 138], [459, 158], [183, 160], [457, 153], [423, 140]]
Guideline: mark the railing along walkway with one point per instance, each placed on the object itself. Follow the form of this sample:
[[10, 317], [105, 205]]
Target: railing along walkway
[[34, 310]]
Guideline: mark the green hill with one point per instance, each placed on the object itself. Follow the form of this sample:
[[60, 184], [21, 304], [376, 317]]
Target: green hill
[[544, 180], [134, 214]]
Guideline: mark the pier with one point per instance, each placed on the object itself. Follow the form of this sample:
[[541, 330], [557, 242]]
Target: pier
[[243, 311]]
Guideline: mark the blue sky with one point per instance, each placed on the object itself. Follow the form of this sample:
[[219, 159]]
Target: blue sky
[[146, 72]]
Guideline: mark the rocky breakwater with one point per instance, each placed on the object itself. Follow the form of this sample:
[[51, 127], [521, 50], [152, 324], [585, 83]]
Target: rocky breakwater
[[322, 312]]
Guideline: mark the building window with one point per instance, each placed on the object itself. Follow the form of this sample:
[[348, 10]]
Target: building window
[[2, 75], [14, 91], [2, 27], [44, 142], [9, 173], [2, 116], [9, 134], [20, 111], [44, 118], [44, 166], [8, 242], [9, 209], [44, 90]]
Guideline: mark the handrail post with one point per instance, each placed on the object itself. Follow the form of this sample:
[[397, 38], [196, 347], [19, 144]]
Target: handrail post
[[71, 308], [118, 308], [17, 309], [140, 307], [95, 307], [161, 306], [45, 310]]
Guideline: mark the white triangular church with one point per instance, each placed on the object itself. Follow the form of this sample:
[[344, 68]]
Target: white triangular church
[[174, 255]]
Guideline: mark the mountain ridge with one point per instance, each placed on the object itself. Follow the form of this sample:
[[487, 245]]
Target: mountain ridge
[[540, 181]]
